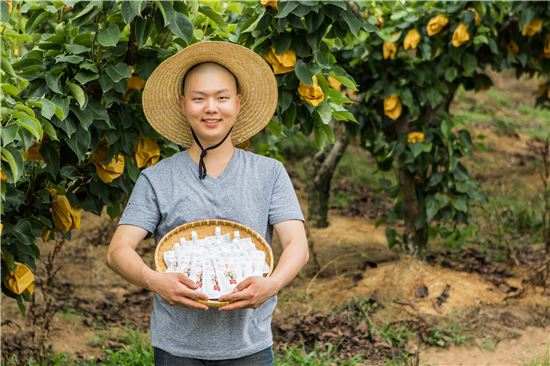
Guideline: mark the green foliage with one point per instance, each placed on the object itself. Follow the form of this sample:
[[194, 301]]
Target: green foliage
[[312, 30], [436, 191]]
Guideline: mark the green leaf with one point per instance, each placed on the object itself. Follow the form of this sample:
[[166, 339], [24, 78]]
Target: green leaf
[[85, 76], [389, 35], [77, 48], [325, 112], [337, 96], [431, 208], [15, 160], [79, 143], [289, 116], [167, 11], [63, 104], [106, 83], [416, 149], [9, 133], [344, 116], [348, 83], [49, 129], [327, 129], [320, 137], [351, 20], [77, 93], [53, 82], [217, 18], [6, 65], [459, 204], [4, 12], [469, 63], [72, 59], [286, 8], [84, 116], [305, 72], [51, 157], [21, 107], [10, 89], [109, 36], [254, 24], [119, 71], [144, 28], [182, 27], [89, 66], [48, 108], [36, 19], [450, 74], [128, 11], [32, 125]]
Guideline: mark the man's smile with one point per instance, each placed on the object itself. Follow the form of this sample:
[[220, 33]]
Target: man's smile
[[211, 122]]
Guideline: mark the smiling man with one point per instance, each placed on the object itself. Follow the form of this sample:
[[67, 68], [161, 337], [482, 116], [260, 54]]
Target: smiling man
[[209, 98]]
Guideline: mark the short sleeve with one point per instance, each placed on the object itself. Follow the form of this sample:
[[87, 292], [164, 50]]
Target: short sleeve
[[142, 209], [284, 203]]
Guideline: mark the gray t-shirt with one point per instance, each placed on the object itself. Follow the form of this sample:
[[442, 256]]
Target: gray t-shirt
[[253, 190]]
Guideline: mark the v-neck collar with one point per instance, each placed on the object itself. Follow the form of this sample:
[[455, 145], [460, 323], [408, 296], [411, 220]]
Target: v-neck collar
[[208, 178]]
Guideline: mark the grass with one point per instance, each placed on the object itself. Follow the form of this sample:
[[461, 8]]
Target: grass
[[293, 356], [451, 332], [539, 361]]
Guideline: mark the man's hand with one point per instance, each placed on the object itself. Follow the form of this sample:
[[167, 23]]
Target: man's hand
[[177, 289], [251, 293]]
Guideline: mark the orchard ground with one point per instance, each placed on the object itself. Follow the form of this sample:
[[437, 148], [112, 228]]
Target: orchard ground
[[359, 302]]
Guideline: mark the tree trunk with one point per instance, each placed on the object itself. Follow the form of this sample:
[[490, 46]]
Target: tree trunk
[[415, 239], [320, 169]]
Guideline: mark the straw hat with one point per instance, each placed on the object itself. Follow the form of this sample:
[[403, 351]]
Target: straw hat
[[257, 84]]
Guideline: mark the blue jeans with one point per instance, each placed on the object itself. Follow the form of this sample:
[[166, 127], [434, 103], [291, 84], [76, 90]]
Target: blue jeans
[[262, 358]]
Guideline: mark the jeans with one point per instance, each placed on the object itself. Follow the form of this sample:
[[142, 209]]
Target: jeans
[[262, 358]]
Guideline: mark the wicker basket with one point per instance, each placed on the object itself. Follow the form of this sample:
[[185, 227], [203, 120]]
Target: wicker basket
[[207, 228]]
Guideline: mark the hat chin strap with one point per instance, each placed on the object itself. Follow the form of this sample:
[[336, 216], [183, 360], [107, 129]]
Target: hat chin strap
[[202, 166]]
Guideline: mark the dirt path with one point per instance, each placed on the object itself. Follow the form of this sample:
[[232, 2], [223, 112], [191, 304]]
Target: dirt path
[[532, 344]]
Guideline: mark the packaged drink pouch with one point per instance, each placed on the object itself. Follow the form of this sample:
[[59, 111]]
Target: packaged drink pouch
[[211, 283], [196, 273], [185, 261], [258, 262], [171, 260], [247, 244], [226, 281]]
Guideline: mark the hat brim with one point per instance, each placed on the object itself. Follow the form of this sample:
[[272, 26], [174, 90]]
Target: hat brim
[[257, 84]]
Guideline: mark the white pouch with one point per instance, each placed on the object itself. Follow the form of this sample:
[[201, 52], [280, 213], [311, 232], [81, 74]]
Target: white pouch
[[196, 273], [211, 284], [171, 260]]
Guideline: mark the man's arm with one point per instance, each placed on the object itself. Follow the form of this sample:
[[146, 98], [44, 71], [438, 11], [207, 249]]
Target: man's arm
[[175, 288], [254, 291]]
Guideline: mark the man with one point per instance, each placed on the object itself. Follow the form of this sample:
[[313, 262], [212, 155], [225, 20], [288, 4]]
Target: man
[[208, 98]]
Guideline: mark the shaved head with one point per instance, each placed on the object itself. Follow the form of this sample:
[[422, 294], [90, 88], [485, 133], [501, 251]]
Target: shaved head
[[207, 67]]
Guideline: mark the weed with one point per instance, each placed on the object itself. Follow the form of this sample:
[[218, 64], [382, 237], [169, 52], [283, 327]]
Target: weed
[[292, 356], [486, 344], [395, 337], [137, 352], [539, 361], [451, 332], [70, 315]]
